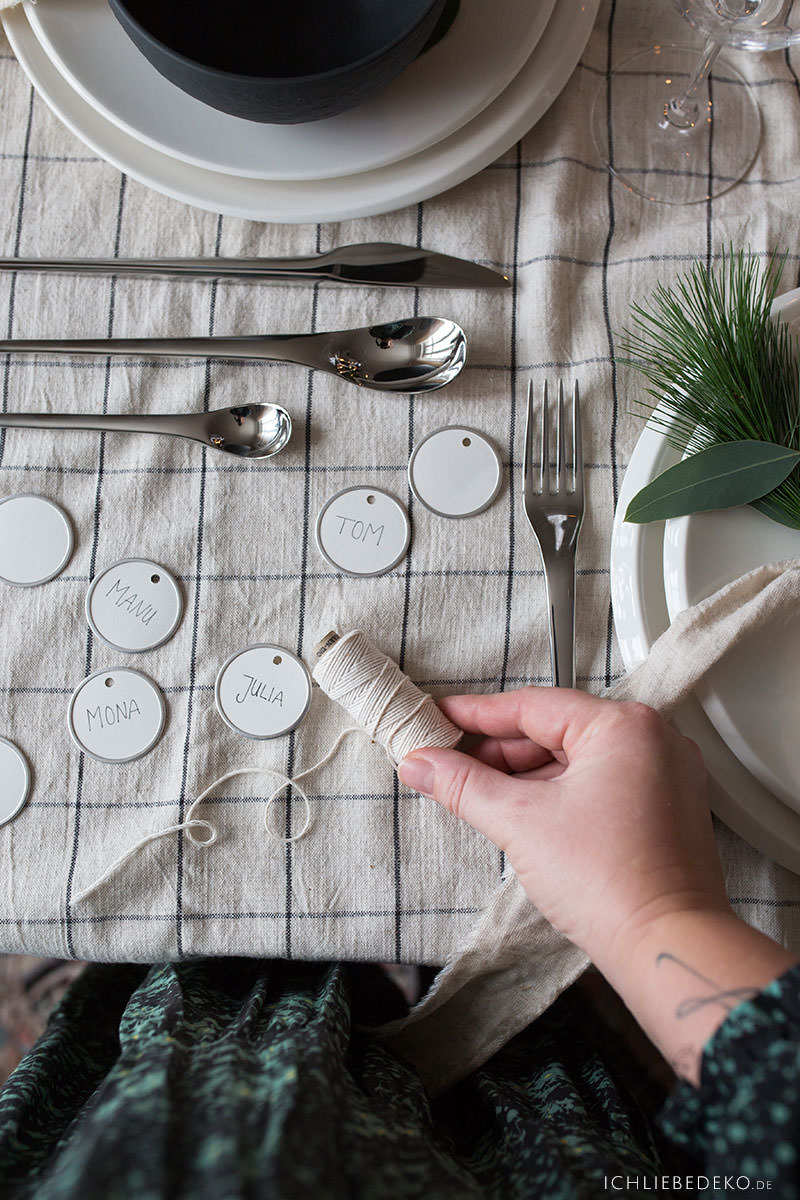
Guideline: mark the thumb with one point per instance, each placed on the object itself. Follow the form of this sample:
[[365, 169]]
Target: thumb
[[489, 800]]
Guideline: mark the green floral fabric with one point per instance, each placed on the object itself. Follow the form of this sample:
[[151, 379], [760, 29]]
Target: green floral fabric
[[226, 1079], [743, 1124]]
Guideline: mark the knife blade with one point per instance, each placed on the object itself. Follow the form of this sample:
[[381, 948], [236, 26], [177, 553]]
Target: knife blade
[[375, 264]]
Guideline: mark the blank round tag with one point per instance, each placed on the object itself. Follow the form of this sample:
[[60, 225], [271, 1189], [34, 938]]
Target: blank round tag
[[455, 472], [36, 540], [15, 780], [117, 715], [363, 531], [134, 605], [263, 691]]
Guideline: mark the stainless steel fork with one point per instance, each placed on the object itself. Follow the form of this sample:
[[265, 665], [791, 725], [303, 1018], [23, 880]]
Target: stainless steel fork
[[554, 510]]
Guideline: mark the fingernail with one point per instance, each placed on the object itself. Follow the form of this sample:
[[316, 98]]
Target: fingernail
[[417, 773]]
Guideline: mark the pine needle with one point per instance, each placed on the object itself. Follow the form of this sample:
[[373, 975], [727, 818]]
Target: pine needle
[[719, 368]]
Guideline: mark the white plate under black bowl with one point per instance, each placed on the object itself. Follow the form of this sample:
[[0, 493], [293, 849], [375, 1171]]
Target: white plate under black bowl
[[449, 84], [441, 166]]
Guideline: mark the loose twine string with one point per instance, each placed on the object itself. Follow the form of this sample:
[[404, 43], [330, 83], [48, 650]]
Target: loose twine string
[[388, 707]]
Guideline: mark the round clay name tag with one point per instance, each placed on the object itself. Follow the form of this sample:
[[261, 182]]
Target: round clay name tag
[[363, 531], [15, 780], [134, 605], [117, 715], [455, 472], [36, 540], [263, 691]]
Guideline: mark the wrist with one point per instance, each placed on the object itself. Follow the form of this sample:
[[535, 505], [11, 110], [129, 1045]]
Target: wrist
[[667, 917], [685, 971]]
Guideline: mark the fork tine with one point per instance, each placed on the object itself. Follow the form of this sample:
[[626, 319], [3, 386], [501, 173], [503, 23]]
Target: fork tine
[[560, 451], [527, 449], [544, 448], [577, 442]]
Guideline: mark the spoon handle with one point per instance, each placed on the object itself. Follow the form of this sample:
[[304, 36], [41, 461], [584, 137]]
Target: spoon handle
[[280, 347], [181, 424]]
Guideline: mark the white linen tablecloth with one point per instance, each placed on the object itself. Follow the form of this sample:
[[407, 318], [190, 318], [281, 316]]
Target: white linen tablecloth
[[383, 874]]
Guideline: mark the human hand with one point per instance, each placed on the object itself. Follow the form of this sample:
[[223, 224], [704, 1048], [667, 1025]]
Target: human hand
[[600, 806]]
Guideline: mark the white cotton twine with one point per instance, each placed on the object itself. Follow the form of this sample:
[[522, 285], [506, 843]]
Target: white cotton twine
[[387, 705], [384, 701]]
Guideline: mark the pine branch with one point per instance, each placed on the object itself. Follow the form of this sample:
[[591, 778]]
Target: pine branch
[[719, 367]]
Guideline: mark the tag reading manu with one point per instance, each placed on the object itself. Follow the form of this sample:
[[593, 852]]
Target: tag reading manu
[[134, 605]]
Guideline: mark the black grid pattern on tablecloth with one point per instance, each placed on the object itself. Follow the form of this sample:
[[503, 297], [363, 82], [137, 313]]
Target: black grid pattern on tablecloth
[[562, 259]]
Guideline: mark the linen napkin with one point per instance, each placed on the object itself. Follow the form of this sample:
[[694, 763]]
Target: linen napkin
[[514, 963]]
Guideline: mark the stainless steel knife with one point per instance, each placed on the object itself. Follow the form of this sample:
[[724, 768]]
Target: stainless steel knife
[[376, 264]]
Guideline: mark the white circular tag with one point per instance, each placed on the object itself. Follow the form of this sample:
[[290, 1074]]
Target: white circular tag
[[263, 691], [455, 472], [36, 540], [134, 605], [15, 780], [363, 531], [117, 715]]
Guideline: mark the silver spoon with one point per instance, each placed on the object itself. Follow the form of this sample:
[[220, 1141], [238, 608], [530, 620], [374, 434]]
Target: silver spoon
[[251, 431], [414, 355]]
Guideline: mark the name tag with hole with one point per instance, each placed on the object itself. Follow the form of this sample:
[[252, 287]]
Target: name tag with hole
[[134, 605], [263, 691], [363, 531], [117, 716]]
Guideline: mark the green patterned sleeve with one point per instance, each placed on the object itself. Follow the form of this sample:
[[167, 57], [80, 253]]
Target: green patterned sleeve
[[742, 1125]]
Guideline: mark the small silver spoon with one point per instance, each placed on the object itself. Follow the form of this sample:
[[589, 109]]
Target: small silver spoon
[[251, 431], [417, 354]]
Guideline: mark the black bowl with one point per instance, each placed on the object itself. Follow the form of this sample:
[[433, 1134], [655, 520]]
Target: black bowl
[[279, 61]]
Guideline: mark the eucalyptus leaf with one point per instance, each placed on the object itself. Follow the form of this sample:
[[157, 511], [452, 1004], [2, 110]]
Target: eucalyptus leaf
[[721, 476]]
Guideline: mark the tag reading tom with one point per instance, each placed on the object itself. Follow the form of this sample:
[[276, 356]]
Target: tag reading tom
[[363, 531]]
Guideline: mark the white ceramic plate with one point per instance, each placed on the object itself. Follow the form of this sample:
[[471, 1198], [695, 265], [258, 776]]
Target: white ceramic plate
[[640, 615], [487, 44], [704, 551], [441, 166], [751, 696], [744, 802]]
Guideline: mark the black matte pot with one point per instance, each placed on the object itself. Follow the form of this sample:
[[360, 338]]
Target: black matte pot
[[279, 61]]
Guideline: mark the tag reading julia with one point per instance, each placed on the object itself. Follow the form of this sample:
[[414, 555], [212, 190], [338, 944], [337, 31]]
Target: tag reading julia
[[15, 780], [363, 531], [134, 605], [263, 691], [117, 715]]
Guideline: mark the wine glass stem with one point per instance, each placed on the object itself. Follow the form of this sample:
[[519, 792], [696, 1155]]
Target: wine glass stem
[[683, 112]]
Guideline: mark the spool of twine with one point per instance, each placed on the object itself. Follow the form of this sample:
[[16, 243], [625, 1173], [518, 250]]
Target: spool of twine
[[380, 697]]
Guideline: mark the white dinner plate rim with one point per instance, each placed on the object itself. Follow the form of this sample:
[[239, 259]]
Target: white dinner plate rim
[[97, 58], [744, 737], [386, 189], [743, 743], [747, 807]]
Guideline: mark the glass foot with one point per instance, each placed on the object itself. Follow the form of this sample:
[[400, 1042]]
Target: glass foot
[[664, 161]]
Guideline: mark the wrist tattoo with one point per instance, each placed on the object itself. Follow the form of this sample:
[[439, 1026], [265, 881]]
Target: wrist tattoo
[[726, 998]]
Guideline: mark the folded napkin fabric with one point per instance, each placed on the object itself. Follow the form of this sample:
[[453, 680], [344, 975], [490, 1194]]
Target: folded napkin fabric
[[514, 964]]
